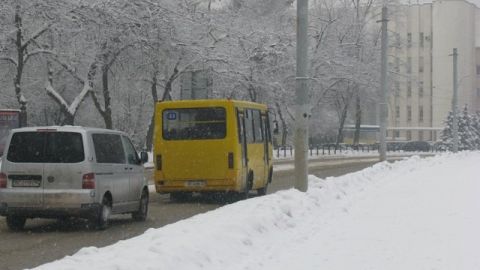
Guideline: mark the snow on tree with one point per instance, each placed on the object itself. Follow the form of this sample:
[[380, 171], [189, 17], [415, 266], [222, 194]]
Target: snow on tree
[[468, 132]]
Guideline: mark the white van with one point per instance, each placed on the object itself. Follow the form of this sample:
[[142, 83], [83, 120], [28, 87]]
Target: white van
[[70, 171]]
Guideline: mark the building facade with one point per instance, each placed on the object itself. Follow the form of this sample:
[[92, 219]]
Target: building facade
[[422, 40]]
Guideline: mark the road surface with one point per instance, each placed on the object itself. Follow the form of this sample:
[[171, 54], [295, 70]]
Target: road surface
[[47, 240]]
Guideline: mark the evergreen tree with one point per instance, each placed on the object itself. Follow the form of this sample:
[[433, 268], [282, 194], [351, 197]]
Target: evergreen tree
[[468, 131], [447, 137]]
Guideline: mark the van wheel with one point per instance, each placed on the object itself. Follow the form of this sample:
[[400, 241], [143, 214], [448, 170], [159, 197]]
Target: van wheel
[[141, 214], [16, 223], [100, 222]]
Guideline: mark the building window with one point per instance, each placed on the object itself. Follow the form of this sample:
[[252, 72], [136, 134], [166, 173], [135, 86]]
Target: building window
[[421, 39], [397, 134], [420, 64], [397, 88], [409, 40], [409, 89], [397, 112], [420, 135], [420, 113], [478, 92], [409, 135], [478, 69], [420, 89], [409, 65], [409, 113]]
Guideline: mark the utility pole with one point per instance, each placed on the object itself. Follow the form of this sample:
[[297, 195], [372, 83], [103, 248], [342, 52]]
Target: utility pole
[[455, 102], [302, 110], [383, 84]]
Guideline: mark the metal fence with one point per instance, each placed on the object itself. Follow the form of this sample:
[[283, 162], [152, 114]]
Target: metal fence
[[333, 149]]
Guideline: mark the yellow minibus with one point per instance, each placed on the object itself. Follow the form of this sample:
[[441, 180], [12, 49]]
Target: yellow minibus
[[212, 146]]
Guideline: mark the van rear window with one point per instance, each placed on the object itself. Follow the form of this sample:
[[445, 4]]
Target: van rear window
[[46, 147]]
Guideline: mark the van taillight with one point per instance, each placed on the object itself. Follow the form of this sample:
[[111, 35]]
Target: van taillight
[[88, 181], [3, 180], [230, 160], [159, 162]]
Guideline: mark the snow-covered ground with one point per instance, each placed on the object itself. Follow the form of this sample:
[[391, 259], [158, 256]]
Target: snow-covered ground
[[412, 214]]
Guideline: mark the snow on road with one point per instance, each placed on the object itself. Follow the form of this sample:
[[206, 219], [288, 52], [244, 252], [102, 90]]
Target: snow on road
[[412, 214]]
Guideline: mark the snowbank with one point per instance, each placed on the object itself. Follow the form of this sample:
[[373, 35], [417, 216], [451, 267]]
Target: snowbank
[[412, 214]]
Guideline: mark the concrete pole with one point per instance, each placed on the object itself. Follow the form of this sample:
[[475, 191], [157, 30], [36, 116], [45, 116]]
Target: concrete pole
[[302, 112], [455, 102], [383, 91]]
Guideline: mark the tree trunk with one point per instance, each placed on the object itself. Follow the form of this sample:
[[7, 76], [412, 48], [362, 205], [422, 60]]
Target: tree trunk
[[343, 117], [167, 94], [107, 114], [358, 120], [149, 139], [17, 82], [68, 119]]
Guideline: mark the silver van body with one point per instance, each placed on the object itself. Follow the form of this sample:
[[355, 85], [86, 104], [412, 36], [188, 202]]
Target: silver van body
[[78, 172]]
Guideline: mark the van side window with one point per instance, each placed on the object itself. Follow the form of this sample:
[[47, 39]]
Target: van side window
[[132, 156], [108, 148]]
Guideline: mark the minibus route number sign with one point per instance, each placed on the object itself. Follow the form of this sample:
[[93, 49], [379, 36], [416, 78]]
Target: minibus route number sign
[[171, 116]]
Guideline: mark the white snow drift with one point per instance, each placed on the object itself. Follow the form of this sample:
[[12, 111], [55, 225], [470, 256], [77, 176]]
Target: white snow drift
[[413, 214]]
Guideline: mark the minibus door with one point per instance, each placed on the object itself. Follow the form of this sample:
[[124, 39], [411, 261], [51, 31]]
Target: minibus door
[[243, 142], [266, 140]]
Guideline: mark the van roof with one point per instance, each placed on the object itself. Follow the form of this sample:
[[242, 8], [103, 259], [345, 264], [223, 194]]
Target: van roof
[[66, 128]]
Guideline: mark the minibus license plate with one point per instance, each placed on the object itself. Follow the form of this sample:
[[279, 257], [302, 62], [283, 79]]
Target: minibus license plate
[[195, 183], [25, 183]]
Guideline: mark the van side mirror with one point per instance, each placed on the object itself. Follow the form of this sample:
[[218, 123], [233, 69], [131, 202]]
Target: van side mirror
[[144, 157]]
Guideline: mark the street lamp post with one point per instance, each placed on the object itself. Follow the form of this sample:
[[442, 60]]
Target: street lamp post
[[302, 111]]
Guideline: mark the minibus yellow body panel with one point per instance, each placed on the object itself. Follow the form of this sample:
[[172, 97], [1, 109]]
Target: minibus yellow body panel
[[202, 145]]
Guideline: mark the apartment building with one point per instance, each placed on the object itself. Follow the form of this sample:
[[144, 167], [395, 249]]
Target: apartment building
[[422, 39]]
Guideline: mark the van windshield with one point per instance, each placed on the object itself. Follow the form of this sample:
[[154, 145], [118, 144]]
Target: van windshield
[[194, 124], [46, 147]]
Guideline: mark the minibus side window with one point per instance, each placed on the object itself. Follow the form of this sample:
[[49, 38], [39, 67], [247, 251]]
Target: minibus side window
[[239, 127], [257, 126], [249, 132]]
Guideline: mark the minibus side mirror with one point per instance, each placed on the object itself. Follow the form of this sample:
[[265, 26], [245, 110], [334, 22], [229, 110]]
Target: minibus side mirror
[[144, 157]]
